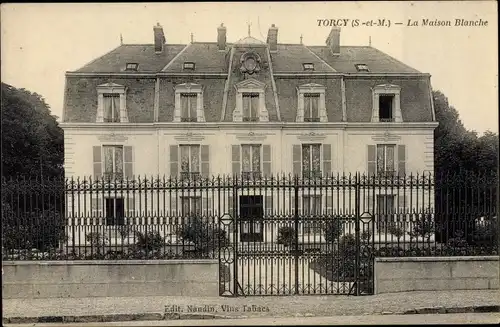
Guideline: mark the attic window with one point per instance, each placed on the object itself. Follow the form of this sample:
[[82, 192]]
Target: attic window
[[308, 66], [189, 65], [362, 68], [132, 66]]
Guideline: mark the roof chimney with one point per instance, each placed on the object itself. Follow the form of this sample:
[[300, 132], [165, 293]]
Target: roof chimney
[[272, 38], [221, 37], [159, 38], [333, 40]]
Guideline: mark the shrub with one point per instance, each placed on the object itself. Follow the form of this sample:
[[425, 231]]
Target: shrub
[[396, 230], [206, 237], [286, 236], [487, 235], [458, 240], [423, 226], [97, 242], [333, 230]]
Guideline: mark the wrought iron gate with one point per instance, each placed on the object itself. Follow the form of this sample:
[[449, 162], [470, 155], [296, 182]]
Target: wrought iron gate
[[297, 236]]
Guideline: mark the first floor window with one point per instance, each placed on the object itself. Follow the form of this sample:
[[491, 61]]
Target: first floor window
[[113, 161], [190, 161], [311, 207], [251, 161], [115, 211], [311, 160], [111, 107], [311, 107], [385, 159], [191, 205], [188, 107], [385, 209], [250, 106]]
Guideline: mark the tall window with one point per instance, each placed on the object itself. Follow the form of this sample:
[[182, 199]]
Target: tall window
[[385, 209], [250, 107], [311, 160], [188, 106], [111, 107], [311, 207], [385, 159], [311, 105], [113, 161], [191, 205], [385, 105], [251, 161], [115, 211], [190, 161]]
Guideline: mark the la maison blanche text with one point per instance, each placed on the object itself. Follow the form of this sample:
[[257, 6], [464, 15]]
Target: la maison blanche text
[[460, 22]]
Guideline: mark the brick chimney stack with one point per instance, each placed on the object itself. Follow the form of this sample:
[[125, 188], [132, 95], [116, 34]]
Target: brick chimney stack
[[159, 38], [272, 38], [221, 37], [333, 40]]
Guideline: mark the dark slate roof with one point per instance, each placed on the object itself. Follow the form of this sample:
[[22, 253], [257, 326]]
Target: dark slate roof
[[377, 61], [290, 57], [206, 56], [143, 54]]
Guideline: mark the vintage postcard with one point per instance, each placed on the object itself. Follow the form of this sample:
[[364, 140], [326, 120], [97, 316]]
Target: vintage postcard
[[249, 163]]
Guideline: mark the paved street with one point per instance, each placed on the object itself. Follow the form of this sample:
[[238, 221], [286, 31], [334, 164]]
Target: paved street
[[446, 319]]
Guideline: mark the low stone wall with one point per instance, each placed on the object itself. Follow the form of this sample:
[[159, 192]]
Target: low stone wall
[[76, 279], [436, 273]]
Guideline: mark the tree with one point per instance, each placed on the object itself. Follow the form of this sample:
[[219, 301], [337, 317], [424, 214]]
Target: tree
[[32, 141]]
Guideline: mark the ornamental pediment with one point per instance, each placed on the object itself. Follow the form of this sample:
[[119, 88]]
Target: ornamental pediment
[[311, 86], [110, 86], [250, 83], [387, 87], [188, 86]]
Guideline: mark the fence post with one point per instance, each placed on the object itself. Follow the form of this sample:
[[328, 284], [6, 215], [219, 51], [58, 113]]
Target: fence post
[[236, 286], [296, 236], [356, 230]]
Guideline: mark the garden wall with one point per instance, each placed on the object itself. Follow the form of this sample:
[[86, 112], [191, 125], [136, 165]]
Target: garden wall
[[436, 273], [76, 279]]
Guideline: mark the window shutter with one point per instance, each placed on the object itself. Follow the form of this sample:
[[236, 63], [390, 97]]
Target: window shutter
[[372, 160], [327, 159], [269, 205], [205, 159], [207, 204], [128, 162], [97, 161], [401, 159], [329, 204], [296, 158], [97, 207], [174, 160], [235, 155], [266, 160], [131, 207]]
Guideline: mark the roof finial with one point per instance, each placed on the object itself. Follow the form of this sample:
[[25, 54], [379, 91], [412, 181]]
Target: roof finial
[[370, 40], [192, 37], [300, 38], [249, 24], [121, 39]]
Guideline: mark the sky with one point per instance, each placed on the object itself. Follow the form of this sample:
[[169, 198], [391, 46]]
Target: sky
[[40, 42]]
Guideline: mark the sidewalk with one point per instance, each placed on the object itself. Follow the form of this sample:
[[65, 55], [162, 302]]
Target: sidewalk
[[159, 308]]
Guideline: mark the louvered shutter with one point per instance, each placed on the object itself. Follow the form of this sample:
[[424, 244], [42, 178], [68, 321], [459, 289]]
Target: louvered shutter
[[128, 162], [327, 159], [205, 159], [235, 158], [266, 160], [269, 205], [296, 158], [131, 207], [372, 160], [97, 159], [174, 160], [401, 160]]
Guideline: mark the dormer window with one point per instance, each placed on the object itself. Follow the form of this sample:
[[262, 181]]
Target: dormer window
[[308, 66], [311, 103], [362, 68], [189, 65], [132, 66], [189, 103], [250, 101], [386, 104], [111, 103]]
